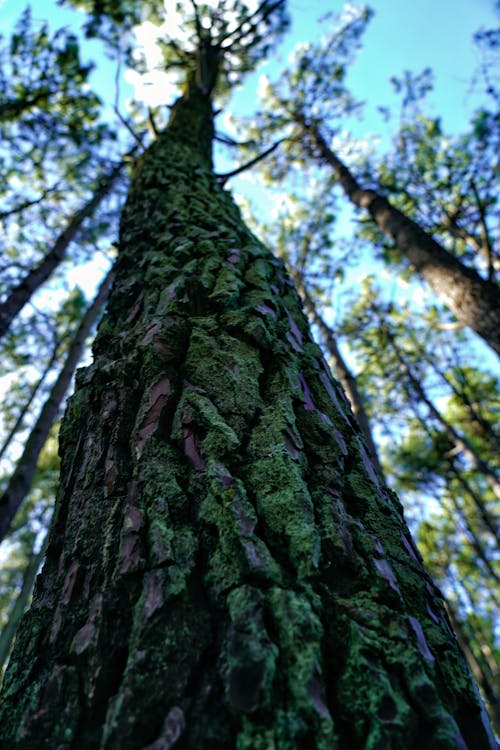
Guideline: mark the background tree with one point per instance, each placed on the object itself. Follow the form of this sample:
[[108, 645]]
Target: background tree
[[308, 100]]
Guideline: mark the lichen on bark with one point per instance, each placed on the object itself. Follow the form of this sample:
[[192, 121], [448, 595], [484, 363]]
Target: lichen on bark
[[225, 568]]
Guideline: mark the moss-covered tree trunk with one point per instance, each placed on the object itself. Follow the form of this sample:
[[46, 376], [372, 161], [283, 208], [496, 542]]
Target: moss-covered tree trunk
[[224, 569]]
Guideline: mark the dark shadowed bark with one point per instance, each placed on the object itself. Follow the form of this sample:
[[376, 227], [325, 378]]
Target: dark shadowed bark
[[20, 294], [20, 482], [475, 301], [224, 569]]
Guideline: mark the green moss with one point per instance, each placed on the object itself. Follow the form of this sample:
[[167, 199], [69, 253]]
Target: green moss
[[228, 370], [295, 669]]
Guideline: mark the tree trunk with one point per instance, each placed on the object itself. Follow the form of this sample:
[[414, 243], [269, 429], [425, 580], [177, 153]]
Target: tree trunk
[[25, 409], [24, 290], [344, 375], [20, 482], [460, 441], [475, 301], [9, 632], [486, 681], [224, 569]]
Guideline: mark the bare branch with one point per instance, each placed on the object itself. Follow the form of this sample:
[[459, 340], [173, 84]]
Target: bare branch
[[228, 141], [222, 178], [486, 244], [116, 106], [237, 34], [27, 204]]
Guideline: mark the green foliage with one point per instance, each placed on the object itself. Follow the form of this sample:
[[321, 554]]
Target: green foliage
[[447, 184], [313, 89], [43, 84], [226, 37]]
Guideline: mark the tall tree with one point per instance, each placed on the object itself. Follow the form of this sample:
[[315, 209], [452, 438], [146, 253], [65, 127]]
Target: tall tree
[[224, 568], [305, 106], [475, 301]]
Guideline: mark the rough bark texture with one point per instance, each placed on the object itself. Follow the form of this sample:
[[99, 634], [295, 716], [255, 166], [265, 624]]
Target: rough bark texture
[[20, 483], [20, 294], [475, 301], [224, 569]]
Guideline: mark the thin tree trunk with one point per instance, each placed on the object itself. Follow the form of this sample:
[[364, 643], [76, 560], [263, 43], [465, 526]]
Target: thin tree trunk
[[27, 404], [460, 441], [20, 294], [344, 375], [484, 425], [482, 679], [474, 300], [9, 632], [489, 523], [224, 568], [477, 544], [20, 482]]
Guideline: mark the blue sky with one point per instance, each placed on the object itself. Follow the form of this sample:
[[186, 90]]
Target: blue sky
[[409, 35]]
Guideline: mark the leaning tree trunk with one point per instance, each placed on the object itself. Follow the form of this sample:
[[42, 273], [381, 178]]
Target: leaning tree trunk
[[21, 601], [473, 300], [224, 569], [344, 376], [23, 291], [21, 480]]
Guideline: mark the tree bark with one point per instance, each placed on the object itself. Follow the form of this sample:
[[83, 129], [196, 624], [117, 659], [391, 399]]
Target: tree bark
[[475, 301], [224, 569], [20, 294], [20, 481]]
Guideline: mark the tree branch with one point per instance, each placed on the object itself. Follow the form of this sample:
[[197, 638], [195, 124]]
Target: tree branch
[[237, 34], [222, 178]]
